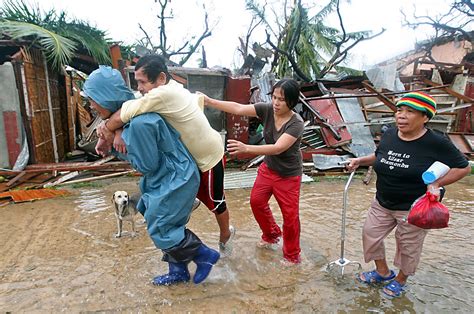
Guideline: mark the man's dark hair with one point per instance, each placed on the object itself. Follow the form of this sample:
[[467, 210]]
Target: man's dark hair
[[152, 66], [290, 89]]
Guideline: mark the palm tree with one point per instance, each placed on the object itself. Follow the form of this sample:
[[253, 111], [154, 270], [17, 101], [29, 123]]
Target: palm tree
[[60, 38], [304, 44]]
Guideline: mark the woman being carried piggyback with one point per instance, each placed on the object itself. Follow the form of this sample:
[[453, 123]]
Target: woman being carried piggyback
[[281, 170], [403, 154]]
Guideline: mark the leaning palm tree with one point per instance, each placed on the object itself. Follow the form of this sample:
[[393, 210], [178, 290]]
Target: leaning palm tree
[[60, 38], [305, 45]]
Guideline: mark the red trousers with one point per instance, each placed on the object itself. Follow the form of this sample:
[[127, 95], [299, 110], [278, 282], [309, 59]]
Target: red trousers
[[286, 191]]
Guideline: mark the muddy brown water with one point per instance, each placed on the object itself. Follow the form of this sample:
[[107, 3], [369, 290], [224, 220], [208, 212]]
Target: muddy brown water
[[60, 255]]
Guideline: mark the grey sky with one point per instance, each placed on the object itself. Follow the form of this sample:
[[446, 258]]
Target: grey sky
[[120, 19]]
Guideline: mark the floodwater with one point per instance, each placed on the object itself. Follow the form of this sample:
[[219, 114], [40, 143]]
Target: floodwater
[[61, 255]]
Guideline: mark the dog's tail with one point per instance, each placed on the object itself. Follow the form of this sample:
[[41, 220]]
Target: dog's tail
[[133, 199]]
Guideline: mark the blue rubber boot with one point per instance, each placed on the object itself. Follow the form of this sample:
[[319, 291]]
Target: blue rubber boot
[[205, 259], [178, 273]]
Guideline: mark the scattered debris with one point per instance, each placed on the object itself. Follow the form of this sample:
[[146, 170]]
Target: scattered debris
[[344, 116]]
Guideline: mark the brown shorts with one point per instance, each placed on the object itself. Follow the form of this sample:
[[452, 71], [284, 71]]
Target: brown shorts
[[379, 224]]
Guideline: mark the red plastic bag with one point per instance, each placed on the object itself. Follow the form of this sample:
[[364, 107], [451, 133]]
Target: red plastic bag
[[427, 213]]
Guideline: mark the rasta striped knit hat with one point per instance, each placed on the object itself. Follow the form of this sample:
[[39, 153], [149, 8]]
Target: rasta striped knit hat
[[419, 101]]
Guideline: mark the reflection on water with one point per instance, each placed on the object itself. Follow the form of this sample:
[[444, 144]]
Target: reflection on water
[[92, 201], [77, 265]]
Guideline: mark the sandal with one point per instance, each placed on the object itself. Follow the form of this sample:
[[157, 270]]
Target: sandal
[[394, 289], [373, 277]]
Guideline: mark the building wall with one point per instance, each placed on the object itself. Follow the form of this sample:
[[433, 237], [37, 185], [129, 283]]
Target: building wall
[[451, 52], [213, 86]]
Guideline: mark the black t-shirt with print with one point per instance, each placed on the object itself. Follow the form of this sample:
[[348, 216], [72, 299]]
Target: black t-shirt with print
[[400, 164]]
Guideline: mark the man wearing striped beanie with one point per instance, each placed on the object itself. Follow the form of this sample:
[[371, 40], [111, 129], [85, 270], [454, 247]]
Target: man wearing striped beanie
[[419, 101]]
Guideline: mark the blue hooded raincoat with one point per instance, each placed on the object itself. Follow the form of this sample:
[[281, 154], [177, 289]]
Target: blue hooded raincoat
[[170, 179]]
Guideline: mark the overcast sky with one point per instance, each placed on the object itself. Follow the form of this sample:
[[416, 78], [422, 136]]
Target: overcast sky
[[120, 19]]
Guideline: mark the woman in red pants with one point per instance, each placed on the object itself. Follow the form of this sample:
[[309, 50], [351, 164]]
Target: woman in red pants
[[281, 170]]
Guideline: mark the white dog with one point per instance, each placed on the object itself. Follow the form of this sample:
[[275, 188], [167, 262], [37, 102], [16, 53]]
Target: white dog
[[125, 209]]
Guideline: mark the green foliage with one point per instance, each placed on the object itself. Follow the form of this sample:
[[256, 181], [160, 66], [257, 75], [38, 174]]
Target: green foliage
[[58, 36], [81, 185], [57, 49], [307, 38], [127, 51]]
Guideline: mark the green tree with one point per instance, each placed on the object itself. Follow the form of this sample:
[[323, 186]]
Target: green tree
[[58, 36], [304, 44]]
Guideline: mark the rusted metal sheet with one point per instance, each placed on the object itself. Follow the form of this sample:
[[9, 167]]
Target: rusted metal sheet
[[12, 135], [328, 109], [31, 195], [115, 56], [238, 90], [309, 152], [237, 127], [10, 117]]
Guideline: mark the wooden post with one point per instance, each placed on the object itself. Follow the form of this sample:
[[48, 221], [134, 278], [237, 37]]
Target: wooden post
[[380, 96], [50, 109]]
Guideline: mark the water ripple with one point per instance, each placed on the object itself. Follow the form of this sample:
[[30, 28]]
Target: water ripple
[[92, 201]]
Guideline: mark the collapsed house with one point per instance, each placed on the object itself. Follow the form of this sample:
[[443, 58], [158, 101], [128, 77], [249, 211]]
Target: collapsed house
[[39, 106], [347, 114], [42, 113]]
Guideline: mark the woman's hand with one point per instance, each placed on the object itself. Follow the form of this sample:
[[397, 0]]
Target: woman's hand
[[235, 147], [103, 148], [119, 144], [353, 164], [104, 133]]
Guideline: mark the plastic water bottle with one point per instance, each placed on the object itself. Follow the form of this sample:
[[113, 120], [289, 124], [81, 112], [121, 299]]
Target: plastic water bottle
[[434, 172]]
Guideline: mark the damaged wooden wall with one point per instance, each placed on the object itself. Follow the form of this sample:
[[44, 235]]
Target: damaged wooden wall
[[44, 107]]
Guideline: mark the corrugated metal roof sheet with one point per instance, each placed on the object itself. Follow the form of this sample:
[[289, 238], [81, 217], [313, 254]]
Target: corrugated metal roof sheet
[[245, 179]]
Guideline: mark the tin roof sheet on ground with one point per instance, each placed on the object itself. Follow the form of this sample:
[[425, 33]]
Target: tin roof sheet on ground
[[235, 179]]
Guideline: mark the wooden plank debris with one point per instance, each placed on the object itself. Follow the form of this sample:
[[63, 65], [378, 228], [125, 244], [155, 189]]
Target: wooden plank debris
[[448, 90], [123, 165], [380, 96], [107, 176], [74, 174]]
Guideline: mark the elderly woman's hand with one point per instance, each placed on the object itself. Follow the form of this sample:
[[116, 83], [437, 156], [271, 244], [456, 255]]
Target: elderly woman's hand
[[353, 164], [119, 144], [104, 133], [103, 148]]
